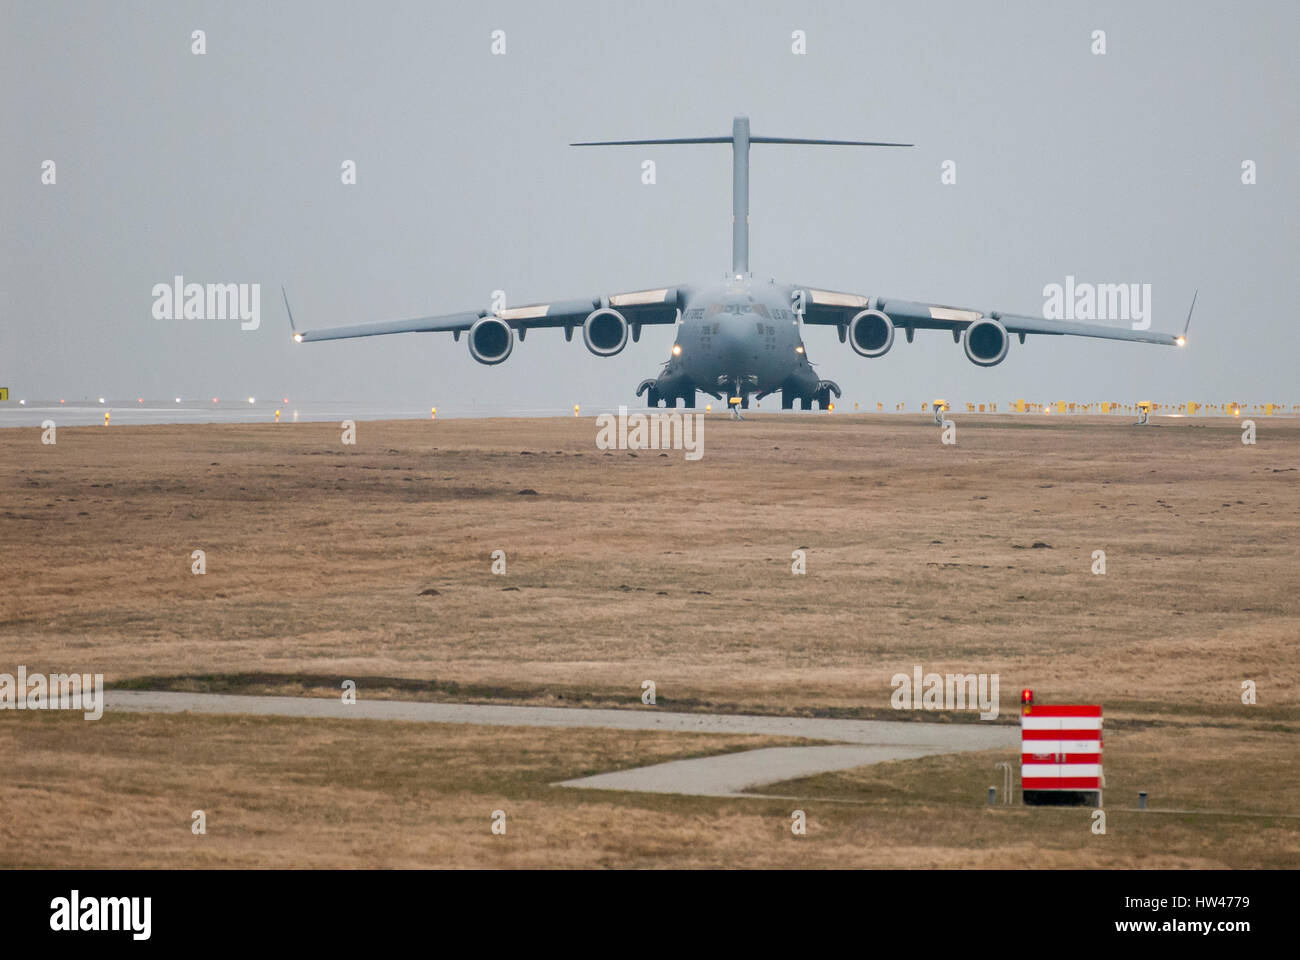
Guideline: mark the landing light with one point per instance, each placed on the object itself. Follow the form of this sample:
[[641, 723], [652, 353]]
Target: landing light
[[677, 349], [799, 349], [1181, 341], [297, 337]]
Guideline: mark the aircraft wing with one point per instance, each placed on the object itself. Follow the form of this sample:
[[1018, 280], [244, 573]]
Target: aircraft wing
[[830, 308], [657, 306]]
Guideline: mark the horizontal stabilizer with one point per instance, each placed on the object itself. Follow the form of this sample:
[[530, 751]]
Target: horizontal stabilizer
[[834, 143], [629, 143], [740, 141]]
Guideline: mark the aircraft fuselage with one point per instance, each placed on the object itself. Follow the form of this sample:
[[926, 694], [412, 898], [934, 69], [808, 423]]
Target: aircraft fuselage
[[737, 339]]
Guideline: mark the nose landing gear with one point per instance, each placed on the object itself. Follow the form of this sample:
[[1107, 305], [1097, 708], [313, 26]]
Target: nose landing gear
[[738, 400]]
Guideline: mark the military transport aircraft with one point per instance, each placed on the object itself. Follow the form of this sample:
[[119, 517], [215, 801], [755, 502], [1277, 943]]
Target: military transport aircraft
[[738, 338]]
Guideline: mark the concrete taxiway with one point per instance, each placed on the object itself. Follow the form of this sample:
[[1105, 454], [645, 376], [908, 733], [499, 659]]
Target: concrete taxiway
[[854, 743]]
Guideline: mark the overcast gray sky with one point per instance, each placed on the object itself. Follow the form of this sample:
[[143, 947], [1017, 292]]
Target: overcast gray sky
[[226, 168]]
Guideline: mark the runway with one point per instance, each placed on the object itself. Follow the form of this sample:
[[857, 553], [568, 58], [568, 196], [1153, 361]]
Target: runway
[[861, 742]]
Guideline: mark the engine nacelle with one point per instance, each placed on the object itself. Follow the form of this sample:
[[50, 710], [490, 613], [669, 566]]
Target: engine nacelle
[[490, 340], [986, 342], [871, 333], [605, 332]]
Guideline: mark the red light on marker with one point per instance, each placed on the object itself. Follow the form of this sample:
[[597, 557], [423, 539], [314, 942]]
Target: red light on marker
[[1026, 696]]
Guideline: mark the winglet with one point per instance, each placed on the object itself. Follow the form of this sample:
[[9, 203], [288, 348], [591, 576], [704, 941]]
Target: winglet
[[1183, 339], [292, 329]]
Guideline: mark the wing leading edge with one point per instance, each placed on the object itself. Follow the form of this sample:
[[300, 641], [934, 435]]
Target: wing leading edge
[[829, 308], [656, 306]]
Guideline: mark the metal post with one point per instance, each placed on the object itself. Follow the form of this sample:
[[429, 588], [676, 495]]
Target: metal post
[[1006, 781]]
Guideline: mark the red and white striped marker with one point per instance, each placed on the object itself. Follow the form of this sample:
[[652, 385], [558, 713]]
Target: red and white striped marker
[[1060, 747]]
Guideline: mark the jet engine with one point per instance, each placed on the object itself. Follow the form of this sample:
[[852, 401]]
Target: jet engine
[[490, 340], [986, 342], [605, 332], [871, 333]]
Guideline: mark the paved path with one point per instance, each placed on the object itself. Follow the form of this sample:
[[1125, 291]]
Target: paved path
[[728, 774], [723, 775]]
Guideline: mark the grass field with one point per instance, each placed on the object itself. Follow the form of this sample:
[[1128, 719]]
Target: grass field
[[373, 562]]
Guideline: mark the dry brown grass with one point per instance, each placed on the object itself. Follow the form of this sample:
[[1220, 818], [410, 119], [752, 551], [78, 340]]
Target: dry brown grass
[[624, 568], [332, 793]]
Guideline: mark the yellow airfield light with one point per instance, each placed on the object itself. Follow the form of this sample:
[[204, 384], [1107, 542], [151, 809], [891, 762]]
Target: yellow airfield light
[[433, 413], [107, 414], [277, 416], [830, 408], [708, 408], [576, 408]]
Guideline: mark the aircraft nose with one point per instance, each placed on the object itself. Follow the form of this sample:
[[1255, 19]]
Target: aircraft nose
[[734, 335], [730, 344]]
